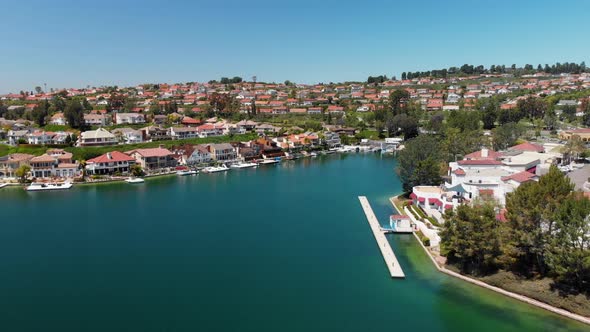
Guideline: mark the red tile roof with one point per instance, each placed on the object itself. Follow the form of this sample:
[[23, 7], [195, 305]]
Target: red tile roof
[[526, 146], [520, 177], [115, 156], [459, 171], [480, 162]]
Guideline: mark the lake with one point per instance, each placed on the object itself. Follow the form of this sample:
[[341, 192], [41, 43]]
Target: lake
[[278, 248]]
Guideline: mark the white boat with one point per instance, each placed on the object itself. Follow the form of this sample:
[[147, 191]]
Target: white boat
[[268, 161], [186, 173], [135, 180], [313, 154], [243, 165], [215, 169], [2, 185], [48, 186]]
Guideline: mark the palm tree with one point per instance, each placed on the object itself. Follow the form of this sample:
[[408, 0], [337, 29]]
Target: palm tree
[[82, 166]]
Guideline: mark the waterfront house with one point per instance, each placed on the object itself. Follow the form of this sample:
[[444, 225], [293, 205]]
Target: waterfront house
[[198, 154], [222, 152], [268, 148], [153, 158], [54, 163], [110, 163], [332, 139], [10, 163], [97, 137], [129, 118]]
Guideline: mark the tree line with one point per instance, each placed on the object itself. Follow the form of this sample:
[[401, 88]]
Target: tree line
[[467, 69]]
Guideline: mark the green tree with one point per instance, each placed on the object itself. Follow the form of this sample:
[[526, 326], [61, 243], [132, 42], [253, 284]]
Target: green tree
[[532, 107], [22, 172], [136, 170], [419, 163], [74, 114], [507, 135], [568, 253], [40, 113], [398, 100], [530, 211], [573, 148], [471, 239]]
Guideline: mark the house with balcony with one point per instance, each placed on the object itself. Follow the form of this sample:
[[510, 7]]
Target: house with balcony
[[97, 137], [153, 158], [184, 132], [97, 120], [54, 163], [110, 163], [129, 118], [40, 137], [128, 135], [223, 152], [10, 163]]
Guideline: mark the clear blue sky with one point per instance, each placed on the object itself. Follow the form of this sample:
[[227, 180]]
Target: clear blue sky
[[79, 43]]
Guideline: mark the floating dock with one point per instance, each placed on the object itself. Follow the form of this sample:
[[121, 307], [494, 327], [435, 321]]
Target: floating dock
[[395, 270]]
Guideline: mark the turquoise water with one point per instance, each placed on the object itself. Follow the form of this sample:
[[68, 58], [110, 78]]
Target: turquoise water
[[278, 248]]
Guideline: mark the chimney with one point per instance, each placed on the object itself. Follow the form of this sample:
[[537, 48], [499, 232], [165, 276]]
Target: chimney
[[109, 156], [484, 152], [161, 146]]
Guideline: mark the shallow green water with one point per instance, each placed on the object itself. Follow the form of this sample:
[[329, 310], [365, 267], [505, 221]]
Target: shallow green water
[[278, 248]]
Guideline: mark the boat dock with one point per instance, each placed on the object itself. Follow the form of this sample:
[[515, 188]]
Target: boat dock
[[395, 270]]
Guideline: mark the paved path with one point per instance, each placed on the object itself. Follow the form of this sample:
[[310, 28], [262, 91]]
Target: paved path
[[395, 270]]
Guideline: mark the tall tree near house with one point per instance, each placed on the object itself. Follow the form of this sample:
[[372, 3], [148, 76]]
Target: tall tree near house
[[585, 109], [530, 213], [38, 90], [253, 109], [532, 107], [116, 102], [471, 239], [419, 163], [398, 100], [568, 250], [40, 113], [573, 148], [74, 113]]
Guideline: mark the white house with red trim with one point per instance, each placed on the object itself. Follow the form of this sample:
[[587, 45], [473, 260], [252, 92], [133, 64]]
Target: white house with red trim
[[109, 163]]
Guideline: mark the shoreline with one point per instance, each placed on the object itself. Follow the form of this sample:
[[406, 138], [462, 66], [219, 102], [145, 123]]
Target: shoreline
[[522, 298]]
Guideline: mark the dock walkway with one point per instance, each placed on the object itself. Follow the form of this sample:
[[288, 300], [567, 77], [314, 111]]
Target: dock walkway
[[395, 270]]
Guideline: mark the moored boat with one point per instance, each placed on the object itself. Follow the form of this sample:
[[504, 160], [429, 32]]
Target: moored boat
[[215, 169], [48, 186], [243, 165], [268, 161], [186, 172], [2, 185], [135, 180]]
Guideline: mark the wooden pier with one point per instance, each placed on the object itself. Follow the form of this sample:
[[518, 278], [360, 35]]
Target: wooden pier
[[395, 270]]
